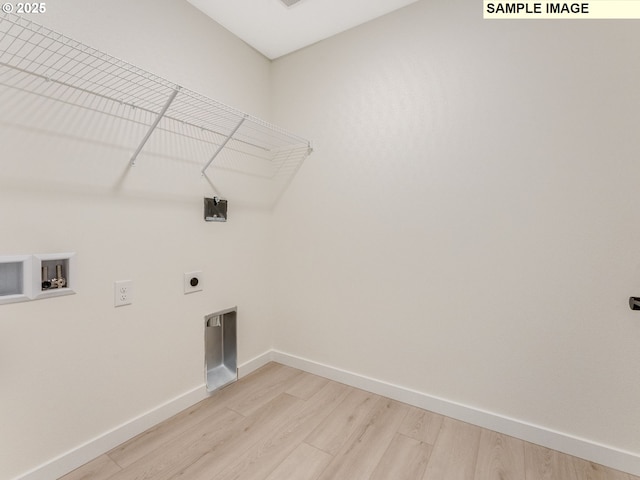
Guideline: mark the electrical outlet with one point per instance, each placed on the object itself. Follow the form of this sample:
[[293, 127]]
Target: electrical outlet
[[193, 282], [123, 293]]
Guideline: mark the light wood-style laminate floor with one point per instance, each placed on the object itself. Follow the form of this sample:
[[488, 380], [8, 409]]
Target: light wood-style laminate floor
[[280, 423]]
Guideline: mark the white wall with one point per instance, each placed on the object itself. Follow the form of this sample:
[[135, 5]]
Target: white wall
[[467, 226], [73, 368]]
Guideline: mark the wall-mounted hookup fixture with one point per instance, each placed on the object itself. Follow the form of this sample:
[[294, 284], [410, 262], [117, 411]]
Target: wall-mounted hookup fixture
[[221, 348], [58, 281], [54, 274], [192, 282], [32, 277], [215, 209], [634, 303]]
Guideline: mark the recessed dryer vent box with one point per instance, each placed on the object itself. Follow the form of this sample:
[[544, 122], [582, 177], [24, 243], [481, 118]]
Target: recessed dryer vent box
[[15, 278], [221, 352]]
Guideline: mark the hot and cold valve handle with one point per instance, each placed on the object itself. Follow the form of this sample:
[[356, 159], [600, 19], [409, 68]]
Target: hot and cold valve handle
[[634, 303]]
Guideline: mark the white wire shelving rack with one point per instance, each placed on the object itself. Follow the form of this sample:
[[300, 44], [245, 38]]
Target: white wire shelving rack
[[35, 59]]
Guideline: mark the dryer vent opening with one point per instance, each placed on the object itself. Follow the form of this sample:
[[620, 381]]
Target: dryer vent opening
[[221, 351]]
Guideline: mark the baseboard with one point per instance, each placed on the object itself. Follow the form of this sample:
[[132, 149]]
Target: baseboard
[[579, 447], [255, 363], [82, 454], [86, 452]]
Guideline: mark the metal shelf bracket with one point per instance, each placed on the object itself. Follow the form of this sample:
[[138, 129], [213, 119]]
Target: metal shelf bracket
[[153, 127], [222, 145]]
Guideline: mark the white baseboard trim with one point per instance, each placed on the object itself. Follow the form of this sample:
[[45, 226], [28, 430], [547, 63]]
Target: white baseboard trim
[[86, 452], [255, 363], [579, 447], [598, 453]]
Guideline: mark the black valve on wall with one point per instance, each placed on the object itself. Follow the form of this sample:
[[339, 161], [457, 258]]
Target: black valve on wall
[[634, 303]]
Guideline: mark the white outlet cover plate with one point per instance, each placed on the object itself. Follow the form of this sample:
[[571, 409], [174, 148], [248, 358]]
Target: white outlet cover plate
[[123, 293], [188, 276]]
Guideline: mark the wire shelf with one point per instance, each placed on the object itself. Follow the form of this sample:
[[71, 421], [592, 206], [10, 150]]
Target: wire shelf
[[40, 61]]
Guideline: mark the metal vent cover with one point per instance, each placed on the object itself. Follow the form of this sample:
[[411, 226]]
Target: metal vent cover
[[289, 3]]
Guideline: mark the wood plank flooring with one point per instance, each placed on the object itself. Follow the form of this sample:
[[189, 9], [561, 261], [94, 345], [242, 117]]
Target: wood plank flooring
[[280, 423]]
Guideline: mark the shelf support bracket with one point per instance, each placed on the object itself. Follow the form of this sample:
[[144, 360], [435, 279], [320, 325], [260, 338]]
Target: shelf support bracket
[[222, 145], [153, 127]]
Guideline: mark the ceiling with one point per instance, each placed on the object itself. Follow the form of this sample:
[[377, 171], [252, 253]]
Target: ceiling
[[274, 29]]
